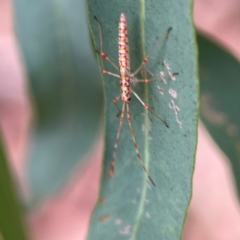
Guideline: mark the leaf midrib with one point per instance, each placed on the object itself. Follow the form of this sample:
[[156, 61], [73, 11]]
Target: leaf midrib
[[146, 135]]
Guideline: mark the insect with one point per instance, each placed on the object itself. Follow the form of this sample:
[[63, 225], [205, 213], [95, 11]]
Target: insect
[[126, 79]]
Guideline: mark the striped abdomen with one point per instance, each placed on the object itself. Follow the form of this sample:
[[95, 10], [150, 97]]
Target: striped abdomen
[[123, 58]]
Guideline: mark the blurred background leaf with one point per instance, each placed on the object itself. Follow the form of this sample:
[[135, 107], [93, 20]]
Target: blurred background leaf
[[220, 98], [128, 204], [11, 222], [65, 86]]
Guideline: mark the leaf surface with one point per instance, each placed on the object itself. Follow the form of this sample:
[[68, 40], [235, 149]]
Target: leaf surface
[[129, 207], [65, 85], [220, 112], [11, 222]]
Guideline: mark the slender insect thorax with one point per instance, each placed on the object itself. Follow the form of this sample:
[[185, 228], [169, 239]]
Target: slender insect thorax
[[123, 58]]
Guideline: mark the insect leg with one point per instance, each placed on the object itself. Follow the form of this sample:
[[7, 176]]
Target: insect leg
[[115, 102], [165, 35], [102, 54], [145, 80], [111, 169], [147, 107], [135, 144]]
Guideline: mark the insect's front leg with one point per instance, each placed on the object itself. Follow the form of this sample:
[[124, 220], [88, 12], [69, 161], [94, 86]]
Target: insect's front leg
[[145, 59], [104, 55]]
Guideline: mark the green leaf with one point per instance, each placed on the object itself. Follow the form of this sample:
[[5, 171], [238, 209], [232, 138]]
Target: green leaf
[[66, 88], [11, 223], [220, 112], [129, 206]]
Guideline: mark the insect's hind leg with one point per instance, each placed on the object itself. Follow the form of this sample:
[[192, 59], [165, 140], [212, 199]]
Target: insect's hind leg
[[111, 169], [135, 145], [148, 108], [115, 103]]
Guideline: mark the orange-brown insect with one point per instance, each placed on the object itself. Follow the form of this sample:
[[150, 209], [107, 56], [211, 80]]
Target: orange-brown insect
[[104, 217], [126, 79], [101, 199]]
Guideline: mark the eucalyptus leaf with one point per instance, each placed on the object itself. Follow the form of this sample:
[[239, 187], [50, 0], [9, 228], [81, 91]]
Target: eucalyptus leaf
[[220, 112], [11, 222], [65, 85], [129, 207]]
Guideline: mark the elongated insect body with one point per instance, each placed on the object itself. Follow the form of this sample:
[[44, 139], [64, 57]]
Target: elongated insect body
[[126, 78], [123, 59]]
